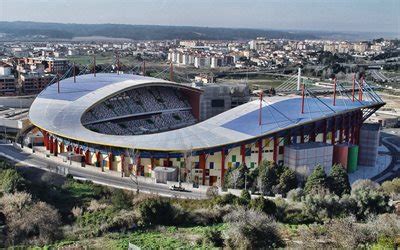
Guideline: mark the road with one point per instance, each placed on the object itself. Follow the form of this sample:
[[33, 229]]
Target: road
[[391, 140], [31, 160]]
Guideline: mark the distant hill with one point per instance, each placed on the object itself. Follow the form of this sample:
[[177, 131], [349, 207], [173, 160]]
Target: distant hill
[[40, 31]]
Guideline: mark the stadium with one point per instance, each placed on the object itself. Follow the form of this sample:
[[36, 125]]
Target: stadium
[[134, 124]]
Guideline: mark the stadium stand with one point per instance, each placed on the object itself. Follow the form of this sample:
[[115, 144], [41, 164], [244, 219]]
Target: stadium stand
[[140, 111]]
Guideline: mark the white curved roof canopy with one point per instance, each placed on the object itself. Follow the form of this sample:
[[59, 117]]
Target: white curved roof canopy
[[60, 114]]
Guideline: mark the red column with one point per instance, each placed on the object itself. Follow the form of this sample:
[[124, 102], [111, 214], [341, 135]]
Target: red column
[[110, 161], [152, 163], [260, 149], [98, 159], [87, 157], [55, 147], [276, 148], [222, 166], [202, 165], [61, 147], [51, 145], [243, 153]]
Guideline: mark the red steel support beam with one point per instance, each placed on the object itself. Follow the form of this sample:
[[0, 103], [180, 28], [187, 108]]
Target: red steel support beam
[[144, 68], [360, 92]]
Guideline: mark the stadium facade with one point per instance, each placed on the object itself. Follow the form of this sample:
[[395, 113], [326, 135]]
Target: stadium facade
[[130, 123]]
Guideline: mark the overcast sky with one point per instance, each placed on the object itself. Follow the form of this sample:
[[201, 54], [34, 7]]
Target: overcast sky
[[325, 15]]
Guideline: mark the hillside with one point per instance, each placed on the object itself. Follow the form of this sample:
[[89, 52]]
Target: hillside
[[35, 30]]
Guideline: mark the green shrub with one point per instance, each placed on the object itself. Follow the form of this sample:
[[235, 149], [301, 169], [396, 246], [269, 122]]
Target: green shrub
[[226, 199], [11, 181], [213, 237], [261, 204], [245, 197], [120, 199], [251, 229], [295, 194], [155, 211]]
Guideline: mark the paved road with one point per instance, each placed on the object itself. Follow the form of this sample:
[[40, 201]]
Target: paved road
[[391, 140], [31, 160]]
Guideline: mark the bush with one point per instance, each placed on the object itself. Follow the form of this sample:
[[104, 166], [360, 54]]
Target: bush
[[212, 192], [245, 197], [213, 237], [261, 204], [226, 199], [28, 221], [120, 199], [295, 194], [392, 188], [322, 206], [251, 229], [155, 211], [371, 200], [11, 181]]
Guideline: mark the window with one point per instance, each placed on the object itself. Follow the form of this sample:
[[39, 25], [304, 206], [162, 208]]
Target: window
[[233, 158], [211, 166]]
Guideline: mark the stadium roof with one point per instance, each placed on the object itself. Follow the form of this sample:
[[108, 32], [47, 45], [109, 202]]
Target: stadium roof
[[60, 114]]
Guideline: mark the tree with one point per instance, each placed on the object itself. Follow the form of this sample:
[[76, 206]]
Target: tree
[[235, 177], [268, 175], [339, 181], [287, 181], [316, 180]]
